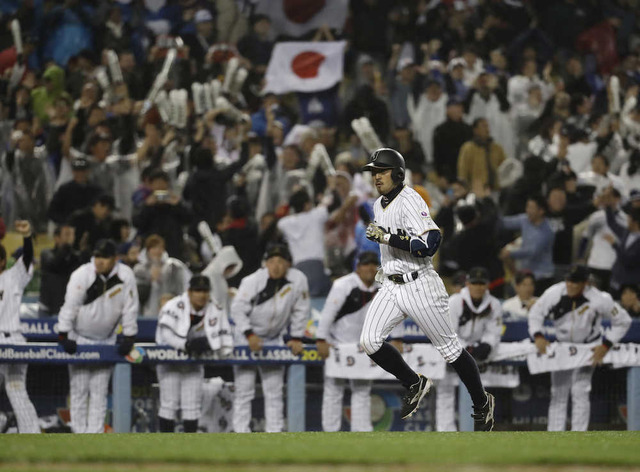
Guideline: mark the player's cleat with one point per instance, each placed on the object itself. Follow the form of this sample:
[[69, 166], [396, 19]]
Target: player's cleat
[[483, 417], [411, 401]]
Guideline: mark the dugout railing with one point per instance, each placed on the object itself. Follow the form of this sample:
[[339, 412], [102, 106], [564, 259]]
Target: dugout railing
[[42, 349]]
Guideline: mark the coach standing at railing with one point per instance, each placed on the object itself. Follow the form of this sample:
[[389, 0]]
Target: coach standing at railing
[[269, 302], [100, 295], [576, 310], [12, 284]]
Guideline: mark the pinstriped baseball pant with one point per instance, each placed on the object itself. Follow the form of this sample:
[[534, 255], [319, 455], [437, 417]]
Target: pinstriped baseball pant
[[425, 300], [88, 390], [15, 376], [576, 382], [180, 388], [244, 379], [332, 395]]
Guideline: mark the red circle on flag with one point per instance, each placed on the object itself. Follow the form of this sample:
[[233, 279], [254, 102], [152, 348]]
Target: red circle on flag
[[306, 64], [301, 11]]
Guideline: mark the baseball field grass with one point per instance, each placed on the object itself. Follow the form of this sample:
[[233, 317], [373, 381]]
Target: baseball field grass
[[348, 452]]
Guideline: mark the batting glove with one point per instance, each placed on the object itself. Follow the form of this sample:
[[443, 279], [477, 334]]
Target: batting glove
[[479, 351], [69, 345], [377, 233], [197, 346], [125, 345]]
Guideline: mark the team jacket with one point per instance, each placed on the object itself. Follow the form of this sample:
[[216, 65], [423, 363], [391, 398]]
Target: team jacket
[[178, 322], [344, 310], [94, 304], [580, 319], [267, 307], [482, 324]]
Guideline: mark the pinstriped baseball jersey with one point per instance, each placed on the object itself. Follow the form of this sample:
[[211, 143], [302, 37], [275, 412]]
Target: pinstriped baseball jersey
[[12, 284], [407, 215]]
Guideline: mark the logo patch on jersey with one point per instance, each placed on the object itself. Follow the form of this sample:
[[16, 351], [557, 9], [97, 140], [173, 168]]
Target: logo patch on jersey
[[213, 322], [583, 309], [285, 291], [115, 292], [424, 213]]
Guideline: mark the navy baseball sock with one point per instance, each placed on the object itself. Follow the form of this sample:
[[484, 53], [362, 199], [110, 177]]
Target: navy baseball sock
[[391, 360], [190, 426], [165, 425], [467, 370]]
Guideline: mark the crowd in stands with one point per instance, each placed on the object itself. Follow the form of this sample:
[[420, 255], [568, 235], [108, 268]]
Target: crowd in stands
[[519, 122]]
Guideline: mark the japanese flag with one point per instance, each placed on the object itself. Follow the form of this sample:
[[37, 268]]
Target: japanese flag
[[295, 18], [304, 66]]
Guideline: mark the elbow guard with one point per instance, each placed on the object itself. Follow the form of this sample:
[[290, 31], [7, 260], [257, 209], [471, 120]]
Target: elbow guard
[[426, 247]]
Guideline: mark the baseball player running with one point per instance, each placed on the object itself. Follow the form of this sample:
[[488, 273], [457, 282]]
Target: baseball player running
[[269, 301], [194, 323], [477, 317], [576, 310], [100, 295], [12, 284], [341, 322], [408, 237]]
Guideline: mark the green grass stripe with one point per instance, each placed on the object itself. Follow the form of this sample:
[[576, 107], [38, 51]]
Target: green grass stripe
[[504, 448]]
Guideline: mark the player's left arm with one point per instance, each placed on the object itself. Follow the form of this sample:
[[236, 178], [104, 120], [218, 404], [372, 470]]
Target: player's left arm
[[131, 307], [300, 311], [620, 322], [493, 328], [619, 317], [24, 228]]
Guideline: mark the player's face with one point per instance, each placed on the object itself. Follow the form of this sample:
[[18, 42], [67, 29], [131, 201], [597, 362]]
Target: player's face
[[367, 273], [277, 267], [477, 291], [382, 180], [575, 288], [104, 265], [525, 289], [198, 298]]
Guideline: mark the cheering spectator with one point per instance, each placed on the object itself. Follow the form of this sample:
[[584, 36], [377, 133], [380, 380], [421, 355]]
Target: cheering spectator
[[536, 250], [57, 265], [92, 224], [164, 214], [518, 306], [427, 111], [630, 301], [74, 195], [448, 138], [158, 275], [480, 158], [626, 269]]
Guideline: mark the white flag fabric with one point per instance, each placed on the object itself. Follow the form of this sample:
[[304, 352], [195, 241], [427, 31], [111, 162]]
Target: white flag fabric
[[304, 66], [297, 17]]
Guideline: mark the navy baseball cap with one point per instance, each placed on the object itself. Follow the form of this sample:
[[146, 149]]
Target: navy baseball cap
[[200, 283], [578, 273], [478, 275], [279, 250], [368, 257], [105, 248]]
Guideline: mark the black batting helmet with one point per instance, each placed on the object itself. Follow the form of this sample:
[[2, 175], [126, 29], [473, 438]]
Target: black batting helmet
[[387, 158]]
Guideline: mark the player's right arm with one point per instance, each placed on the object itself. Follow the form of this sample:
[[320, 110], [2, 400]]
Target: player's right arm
[[74, 296], [332, 305], [241, 307], [422, 236], [169, 317], [537, 314]]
